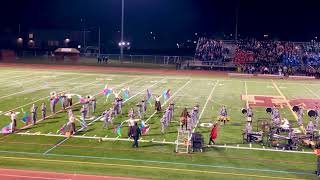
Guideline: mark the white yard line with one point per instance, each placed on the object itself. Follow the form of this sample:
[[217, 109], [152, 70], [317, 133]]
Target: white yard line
[[312, 92], [205, 105], [14, 77], [40, 88], [170, 98], [78, 87], [285, 99], [22, 82], [247, 99]]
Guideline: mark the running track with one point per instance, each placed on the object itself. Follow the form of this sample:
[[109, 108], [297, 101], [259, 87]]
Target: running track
[[13, 174]]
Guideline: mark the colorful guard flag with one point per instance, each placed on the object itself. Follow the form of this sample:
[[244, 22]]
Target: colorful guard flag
[[25, 118], [117, 130], [6, 129], [166, 94], [144, 128], [126, 93]]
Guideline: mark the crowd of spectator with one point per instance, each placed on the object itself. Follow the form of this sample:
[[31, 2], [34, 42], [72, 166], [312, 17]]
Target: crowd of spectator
[[249, 51], [212, 52], [268, 52], [253, 56]]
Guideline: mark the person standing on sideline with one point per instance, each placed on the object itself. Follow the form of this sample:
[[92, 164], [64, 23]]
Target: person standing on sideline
[[136, 133], [213, 134]]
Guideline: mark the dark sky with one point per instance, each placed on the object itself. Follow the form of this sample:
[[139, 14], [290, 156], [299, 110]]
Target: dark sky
[[170, 20]]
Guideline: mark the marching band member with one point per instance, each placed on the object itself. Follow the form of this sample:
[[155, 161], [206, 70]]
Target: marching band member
[[300, 115], [72, 125], [184, 118], [131, 113], [53, 105], [63, 101], [317, 116], [249, 114], [163, 122], [83, 112], [223, 115], [107, 118], [144, 105], [139, 110], [43, 111], [93, 104], [34, 114], [291, 135], [310, 128], [248, 131]]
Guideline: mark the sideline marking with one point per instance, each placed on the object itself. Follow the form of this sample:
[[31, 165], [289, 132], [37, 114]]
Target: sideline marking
[[129, 166]]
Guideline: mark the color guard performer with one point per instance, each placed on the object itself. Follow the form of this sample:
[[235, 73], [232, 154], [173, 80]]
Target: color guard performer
[[43, 111], [13, 117], [157, 104], [184, 118]]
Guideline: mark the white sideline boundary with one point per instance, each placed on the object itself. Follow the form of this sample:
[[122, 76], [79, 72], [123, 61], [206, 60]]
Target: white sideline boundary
[[165, 142], [182, 87]]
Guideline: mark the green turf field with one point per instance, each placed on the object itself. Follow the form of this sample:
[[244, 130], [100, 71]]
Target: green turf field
[[36, 147]]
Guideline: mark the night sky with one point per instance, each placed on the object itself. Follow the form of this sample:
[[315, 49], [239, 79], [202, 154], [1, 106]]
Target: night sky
[[170, 21]]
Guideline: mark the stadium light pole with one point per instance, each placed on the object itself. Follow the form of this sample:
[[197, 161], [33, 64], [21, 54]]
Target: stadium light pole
[[122, 27], [237, 20]]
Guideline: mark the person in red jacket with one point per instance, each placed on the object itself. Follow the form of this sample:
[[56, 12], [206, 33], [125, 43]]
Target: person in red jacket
[[213, 134]]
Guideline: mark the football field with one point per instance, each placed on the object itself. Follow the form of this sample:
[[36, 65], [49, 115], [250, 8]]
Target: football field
[[101, 151]]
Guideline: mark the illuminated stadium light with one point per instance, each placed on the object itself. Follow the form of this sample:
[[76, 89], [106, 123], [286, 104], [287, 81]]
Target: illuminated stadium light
[[20, 40], [67, 40], [128, 43]]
